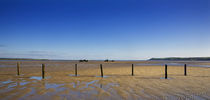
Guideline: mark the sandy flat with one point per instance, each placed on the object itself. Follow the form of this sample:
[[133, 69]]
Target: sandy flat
[[148, 82]]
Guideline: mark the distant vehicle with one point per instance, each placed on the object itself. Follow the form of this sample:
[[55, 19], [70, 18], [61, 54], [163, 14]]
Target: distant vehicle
[[84, 60], [108, 60]]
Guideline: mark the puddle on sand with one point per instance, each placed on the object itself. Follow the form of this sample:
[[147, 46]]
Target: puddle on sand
[[9, 84], [103, 76], [72, 75], [89, 83], [23, 83], [81, 87], [6, 82], [57, 87], [14, 83], [75, 84], [52, 85], [17, 84], [107, 86], [38, 77], [164, 78], [93, 84]]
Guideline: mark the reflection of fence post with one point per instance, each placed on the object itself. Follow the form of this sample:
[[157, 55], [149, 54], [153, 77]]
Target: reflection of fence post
[[132, 70], [101, 70], [18, 68], [75, 69], [43, 71], [166, 74], [185, 69]]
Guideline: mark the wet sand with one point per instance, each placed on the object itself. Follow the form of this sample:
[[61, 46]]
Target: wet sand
[[148, 82]]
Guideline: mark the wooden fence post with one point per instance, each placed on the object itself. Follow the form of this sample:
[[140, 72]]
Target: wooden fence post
[[18, 68], [43, 70], [185, 69], [101, 70], [132, 70], [75, 69], [166, 73]]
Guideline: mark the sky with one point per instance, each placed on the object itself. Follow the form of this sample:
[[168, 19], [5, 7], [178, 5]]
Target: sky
[[104, 29]]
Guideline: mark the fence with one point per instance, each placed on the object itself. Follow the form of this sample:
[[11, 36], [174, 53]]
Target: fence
[[101, 70]]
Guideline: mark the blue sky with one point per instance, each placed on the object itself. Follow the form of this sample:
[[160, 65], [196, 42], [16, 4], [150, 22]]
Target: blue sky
[[104, 29]]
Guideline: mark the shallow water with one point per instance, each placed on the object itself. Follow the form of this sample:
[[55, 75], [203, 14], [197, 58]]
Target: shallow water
[[164, 78], [24, 83], [73, 75], [36, 77], [80, 86], [103, 76], [39, 77], [89, 83], [53, 85], [6, 82]]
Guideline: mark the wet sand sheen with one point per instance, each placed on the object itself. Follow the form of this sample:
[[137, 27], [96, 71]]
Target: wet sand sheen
[[60, 82]]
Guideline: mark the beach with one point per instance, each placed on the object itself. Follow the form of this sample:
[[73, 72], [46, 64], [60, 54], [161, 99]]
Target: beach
[[147, 83]]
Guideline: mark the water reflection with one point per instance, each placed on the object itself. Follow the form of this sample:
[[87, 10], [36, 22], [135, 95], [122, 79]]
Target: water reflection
[[103, 76], [87, 87], [93, 84], [89, 83], [12, 85], [15, 83], [52, 85], [38, 77], [23, 83], [73, 75], [164, 78], [75, 84], [6, 82], [100, 85]]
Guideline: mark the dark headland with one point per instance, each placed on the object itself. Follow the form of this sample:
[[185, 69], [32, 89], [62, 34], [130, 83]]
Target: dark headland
[[183, 59]]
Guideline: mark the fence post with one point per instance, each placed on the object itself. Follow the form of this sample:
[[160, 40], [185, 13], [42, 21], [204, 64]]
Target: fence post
[[185, 69], [132, 70], [166, 73], [18, 68], [43, 70], [75, 69], [101, 70]]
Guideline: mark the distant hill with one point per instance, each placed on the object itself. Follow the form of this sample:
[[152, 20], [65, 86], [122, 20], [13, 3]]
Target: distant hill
[[20, 59], [186, 59]]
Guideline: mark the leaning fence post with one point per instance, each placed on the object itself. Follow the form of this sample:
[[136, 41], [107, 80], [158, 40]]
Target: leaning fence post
[[101, 70], [43, 70], [185, 69], [75, 69], [132, 70], [18, 68], [166, 74]]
